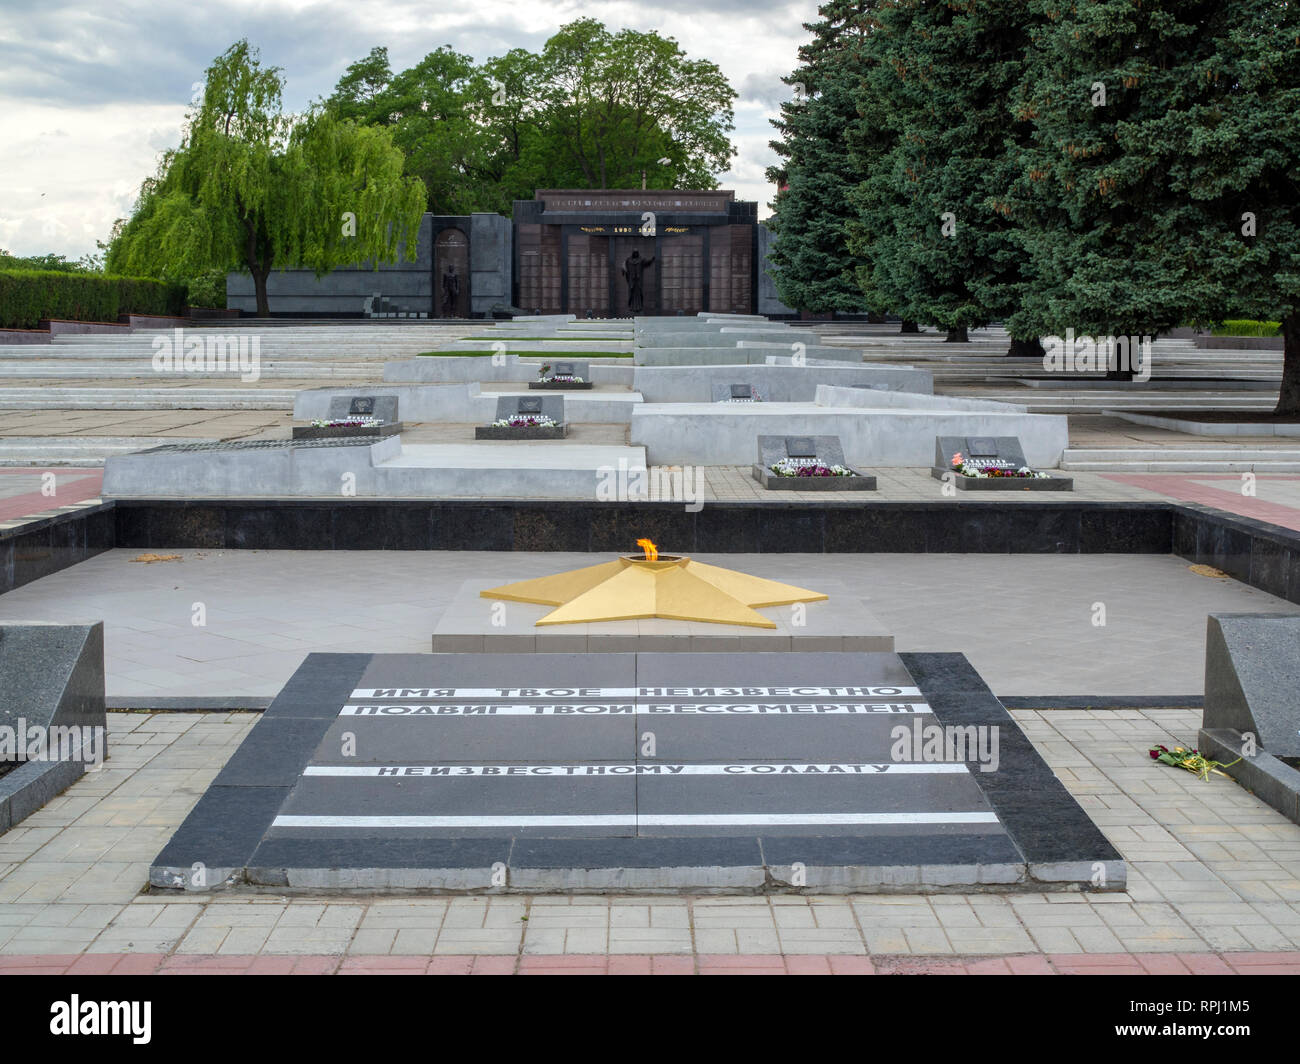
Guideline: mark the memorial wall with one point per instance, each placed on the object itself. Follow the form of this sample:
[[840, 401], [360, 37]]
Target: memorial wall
[[588, 252]]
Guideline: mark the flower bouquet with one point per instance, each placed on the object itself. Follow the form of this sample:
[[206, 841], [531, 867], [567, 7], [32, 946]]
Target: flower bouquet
[[1192, 760], [786, 468], [525, 421], [964, 467]]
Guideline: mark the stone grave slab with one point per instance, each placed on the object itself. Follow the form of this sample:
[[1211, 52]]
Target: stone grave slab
[[997, 452], [650, 771], [564, 368], [726, 392], [807, 451], [509, 406], [382, 408]]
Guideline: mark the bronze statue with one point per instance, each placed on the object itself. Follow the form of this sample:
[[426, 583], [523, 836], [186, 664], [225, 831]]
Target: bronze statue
[[633, 269], [450, 292]]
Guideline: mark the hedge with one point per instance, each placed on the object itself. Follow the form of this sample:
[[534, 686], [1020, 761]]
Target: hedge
[[1249, 327], [28, 296]]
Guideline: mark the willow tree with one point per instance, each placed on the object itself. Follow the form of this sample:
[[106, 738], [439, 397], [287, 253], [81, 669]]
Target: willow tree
[[253, 188]]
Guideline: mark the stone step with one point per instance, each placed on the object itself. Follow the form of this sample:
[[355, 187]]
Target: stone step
[[1184, 467], [89, 451], [1182, 459], [1153, 454], [147, 398]]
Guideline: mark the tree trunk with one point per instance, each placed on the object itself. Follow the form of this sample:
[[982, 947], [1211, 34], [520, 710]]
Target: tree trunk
[[253, 260], [1026, 349], [957, 336], [910, 327], [1288, 399], [259, 286]]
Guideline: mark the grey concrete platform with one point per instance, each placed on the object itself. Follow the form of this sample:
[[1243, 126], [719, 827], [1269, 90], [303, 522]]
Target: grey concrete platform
[[1027, 622], [471, 624], [650, 772]]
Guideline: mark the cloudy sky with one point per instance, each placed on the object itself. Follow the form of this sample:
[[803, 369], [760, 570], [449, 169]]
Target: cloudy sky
[[91, 91]]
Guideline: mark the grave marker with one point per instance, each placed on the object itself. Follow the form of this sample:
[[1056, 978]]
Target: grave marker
[[566, 368], [724, 392], [997, 453], [379, 412], [526, 406], [806, 452]]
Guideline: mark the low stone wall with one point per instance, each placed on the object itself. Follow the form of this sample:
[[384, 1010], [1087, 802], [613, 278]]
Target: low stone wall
[[727, 433], [775, 384]]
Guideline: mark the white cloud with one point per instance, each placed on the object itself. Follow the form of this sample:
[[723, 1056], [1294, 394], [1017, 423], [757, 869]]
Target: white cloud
[[89, 110]]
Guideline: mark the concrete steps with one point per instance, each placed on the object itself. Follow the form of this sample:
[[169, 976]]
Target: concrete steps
[[147, 398], [1182, 460], [133, 370], [78, 451]]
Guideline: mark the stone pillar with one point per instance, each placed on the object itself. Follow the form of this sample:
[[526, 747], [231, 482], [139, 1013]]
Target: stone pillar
[[768, 300], [490, 258]]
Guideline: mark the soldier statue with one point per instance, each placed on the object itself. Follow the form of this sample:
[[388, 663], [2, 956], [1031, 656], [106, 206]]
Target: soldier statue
[[450, 292], [633, 269]]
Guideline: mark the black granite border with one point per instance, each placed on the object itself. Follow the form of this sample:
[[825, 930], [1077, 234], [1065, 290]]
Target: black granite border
[[38, 548], [977, 526], [224, 829], [1050, 702], [1257, 553], [1045, 821]]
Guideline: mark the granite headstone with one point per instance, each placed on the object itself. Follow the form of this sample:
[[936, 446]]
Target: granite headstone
[[724, 392]]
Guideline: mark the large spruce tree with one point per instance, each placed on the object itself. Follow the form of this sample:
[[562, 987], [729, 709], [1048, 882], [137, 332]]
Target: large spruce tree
[[933, 236], [1161, 184], [814, 268]]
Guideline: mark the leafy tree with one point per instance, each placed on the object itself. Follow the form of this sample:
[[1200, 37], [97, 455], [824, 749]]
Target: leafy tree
[[593, 109], [430, 112], [57, 263], [251, 187], [615, 103]]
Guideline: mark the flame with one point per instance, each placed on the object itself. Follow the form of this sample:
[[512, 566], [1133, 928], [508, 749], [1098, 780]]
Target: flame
[[651, 551]]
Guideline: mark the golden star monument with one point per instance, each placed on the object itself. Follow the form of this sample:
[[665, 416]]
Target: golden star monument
[[654, 585]]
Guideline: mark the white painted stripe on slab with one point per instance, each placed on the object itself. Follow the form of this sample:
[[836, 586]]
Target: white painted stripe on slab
[[627, 709], [600, 694], [630, 769], [666, 820], [398, 694]]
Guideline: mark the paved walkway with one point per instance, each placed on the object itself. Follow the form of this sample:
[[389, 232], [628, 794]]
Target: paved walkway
[[1025, 621], [1214, 886], [1276, 497], [27, 493]]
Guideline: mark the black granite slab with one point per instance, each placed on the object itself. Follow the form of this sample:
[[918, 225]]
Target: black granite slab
[[322, 796]]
